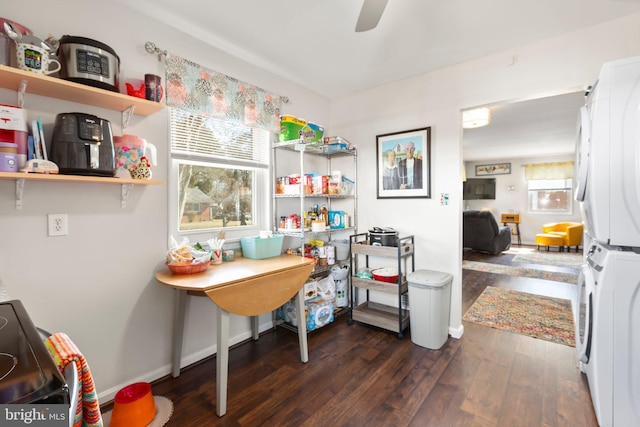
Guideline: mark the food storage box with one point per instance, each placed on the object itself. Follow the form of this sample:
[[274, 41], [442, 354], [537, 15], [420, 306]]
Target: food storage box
[[335, 148], [257, 248], [13, 128], [336, 219], [343, 187], [8, 162], [336, 140], [321, 184]]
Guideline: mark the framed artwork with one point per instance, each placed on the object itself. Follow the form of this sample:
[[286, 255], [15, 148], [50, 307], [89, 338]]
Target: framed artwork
[[403, 164], [493, 169]]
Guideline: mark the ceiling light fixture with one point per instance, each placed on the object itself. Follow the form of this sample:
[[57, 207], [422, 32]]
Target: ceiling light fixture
[[476, 118]]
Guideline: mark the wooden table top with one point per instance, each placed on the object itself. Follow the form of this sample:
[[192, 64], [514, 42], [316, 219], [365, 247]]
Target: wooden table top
[[247, 287], [230, 273]]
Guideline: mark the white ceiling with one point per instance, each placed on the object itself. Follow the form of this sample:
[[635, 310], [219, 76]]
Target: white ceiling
[[526, 129], [313, 43]]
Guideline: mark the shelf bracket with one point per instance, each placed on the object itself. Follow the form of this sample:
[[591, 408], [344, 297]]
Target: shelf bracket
[[19, 191], [126, 190], [21, 91], [126, 116]]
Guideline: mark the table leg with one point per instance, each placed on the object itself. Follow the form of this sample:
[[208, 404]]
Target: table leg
[[222, 361], [178, 331], [255, 327], [302, 326]]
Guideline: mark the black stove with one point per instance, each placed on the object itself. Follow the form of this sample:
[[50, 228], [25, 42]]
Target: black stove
[[28, 373]]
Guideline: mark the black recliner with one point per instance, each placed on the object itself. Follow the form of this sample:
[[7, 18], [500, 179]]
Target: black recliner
[[481, 232]]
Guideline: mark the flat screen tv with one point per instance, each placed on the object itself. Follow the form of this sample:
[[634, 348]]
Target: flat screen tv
[[479, 189]]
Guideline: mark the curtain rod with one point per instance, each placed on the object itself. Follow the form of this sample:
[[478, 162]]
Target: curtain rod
[[152, 48]]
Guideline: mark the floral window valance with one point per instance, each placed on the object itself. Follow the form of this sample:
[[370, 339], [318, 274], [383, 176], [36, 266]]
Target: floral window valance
[[206, 92], [555, 170]]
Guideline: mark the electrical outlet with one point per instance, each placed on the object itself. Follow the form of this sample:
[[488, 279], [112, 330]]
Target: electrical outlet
[[58, 225]]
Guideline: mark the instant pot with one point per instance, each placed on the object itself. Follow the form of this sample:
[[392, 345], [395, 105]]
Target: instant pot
[[89, 62], [383, 236]]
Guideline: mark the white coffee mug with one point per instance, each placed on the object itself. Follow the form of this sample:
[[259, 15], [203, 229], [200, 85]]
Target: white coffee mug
[[34, 59]]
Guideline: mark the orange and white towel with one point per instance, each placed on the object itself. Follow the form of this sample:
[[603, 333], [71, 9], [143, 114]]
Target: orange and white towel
[[64, 351]]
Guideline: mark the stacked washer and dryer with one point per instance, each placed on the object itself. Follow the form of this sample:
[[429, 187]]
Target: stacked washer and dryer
[[608, 186]]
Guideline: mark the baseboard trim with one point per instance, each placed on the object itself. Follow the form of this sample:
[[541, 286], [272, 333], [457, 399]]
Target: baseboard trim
[[456, 332]]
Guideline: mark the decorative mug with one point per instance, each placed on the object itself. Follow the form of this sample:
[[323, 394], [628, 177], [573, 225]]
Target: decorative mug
[[153, 87], [35, 59]]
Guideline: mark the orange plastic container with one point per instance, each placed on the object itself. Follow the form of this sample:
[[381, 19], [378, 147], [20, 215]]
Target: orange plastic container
[[133, 406]]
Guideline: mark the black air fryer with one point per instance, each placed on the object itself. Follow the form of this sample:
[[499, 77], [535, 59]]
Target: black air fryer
[[82, 144]]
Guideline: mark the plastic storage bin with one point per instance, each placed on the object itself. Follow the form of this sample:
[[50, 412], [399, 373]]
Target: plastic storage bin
[[257, 248], [429, 307]]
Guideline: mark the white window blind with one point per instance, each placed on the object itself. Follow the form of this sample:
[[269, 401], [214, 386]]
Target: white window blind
[[196, 137]]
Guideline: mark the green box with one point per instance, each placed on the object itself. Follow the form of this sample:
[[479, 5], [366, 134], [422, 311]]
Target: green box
[[256, 248]]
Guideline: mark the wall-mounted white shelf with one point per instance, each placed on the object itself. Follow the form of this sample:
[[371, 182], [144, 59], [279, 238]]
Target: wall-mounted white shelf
[[12, 78], [126, 183]]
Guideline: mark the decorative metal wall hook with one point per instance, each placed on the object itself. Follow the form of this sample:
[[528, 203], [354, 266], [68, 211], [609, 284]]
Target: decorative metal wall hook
[[152, 48]]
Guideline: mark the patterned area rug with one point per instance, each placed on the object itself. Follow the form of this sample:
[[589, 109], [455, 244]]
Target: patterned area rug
[[561, 259], [549, 319], [520, 271]]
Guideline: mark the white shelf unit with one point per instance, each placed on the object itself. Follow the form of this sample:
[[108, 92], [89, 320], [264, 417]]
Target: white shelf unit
[[392, 318], [304, 151], [318, 150]]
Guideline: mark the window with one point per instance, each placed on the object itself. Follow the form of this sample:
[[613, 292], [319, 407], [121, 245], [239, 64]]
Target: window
[[218, 167], [220, 133], [550, 196], [214, 197]]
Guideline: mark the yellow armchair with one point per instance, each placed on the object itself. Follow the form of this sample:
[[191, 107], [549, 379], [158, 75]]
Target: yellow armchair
[[571, 232]]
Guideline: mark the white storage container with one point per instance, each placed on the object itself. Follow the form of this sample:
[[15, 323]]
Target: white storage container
[[429, 307]]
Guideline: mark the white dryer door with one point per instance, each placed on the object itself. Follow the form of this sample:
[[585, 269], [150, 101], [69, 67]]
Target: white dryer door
[[584, 314], [582, 153]]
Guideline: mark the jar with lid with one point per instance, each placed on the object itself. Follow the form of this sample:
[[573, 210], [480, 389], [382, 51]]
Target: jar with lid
[[280, 183]]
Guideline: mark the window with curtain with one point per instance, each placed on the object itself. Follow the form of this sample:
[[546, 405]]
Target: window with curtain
[[220, 133], [550, 187]]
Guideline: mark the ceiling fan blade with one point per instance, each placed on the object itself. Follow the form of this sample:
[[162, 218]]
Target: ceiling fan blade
[[370, 14]]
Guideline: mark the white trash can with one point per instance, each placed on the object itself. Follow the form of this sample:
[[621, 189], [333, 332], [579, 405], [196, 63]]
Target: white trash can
[[429, 307]]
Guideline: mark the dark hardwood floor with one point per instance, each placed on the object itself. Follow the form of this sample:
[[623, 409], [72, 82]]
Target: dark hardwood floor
[[361, 376]]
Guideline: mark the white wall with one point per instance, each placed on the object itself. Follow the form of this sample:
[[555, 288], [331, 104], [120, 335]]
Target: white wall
[[556, 65], [510, 201], [97, 284]]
